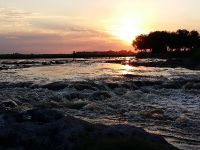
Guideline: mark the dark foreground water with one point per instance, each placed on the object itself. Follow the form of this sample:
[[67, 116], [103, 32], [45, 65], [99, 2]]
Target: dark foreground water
[[165, 101]]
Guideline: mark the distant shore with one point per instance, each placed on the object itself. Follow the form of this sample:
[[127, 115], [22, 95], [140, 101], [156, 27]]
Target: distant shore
[[170, 59], [122, 53]]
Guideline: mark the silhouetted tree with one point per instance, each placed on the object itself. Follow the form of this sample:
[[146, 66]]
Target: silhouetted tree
[[173, 43], [194, 39], [158, 42], [161, 42], [183, 39], [141, 43]]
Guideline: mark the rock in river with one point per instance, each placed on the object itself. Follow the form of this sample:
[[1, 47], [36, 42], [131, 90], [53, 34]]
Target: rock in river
[[51, 130]]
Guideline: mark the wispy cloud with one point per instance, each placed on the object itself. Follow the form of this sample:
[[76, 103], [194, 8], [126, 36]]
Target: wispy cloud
[[12, 19], [51, 43], [13, 13], [27, 32]]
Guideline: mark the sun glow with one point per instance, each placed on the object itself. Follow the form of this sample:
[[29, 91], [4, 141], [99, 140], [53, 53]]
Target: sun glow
[[127, 29]]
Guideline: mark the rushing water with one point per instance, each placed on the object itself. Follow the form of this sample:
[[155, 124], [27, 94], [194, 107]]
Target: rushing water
[[164, 101]]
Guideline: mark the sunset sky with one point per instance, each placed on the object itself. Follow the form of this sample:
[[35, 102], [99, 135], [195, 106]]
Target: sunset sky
[[62, 26]]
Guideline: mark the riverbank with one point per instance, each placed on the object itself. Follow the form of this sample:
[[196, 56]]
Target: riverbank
[[169, 63], [186, 59]]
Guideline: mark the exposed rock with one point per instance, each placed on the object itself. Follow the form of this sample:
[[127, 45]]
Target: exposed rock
[[44, 115], [50, 130]]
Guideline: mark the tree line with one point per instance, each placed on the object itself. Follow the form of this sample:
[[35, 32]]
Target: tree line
[[83, 54], [161, 42]]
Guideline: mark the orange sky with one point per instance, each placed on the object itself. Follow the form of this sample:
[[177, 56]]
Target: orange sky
[[62, 26]]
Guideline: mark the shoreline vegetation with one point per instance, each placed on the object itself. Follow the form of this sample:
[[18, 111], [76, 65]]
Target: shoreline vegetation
[[157, 44], [182, 44]]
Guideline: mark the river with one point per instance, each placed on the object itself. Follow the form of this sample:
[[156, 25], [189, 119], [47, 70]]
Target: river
[[164, 101]]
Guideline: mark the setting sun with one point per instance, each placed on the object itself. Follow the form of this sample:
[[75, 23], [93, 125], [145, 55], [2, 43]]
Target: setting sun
[[127, 29]]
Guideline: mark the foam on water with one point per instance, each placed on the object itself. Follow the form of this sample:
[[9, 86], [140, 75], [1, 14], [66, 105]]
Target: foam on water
[[164, 101]]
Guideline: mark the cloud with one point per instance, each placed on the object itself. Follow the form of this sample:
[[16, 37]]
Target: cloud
[[52, 43], [13, 19], [26, 32], [13, 13]]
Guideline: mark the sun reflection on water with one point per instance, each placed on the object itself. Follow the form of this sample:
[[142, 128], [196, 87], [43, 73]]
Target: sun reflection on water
[[127, 68]]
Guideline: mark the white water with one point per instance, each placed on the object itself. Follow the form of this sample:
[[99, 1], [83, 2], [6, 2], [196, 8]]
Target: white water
[[171, 112]]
